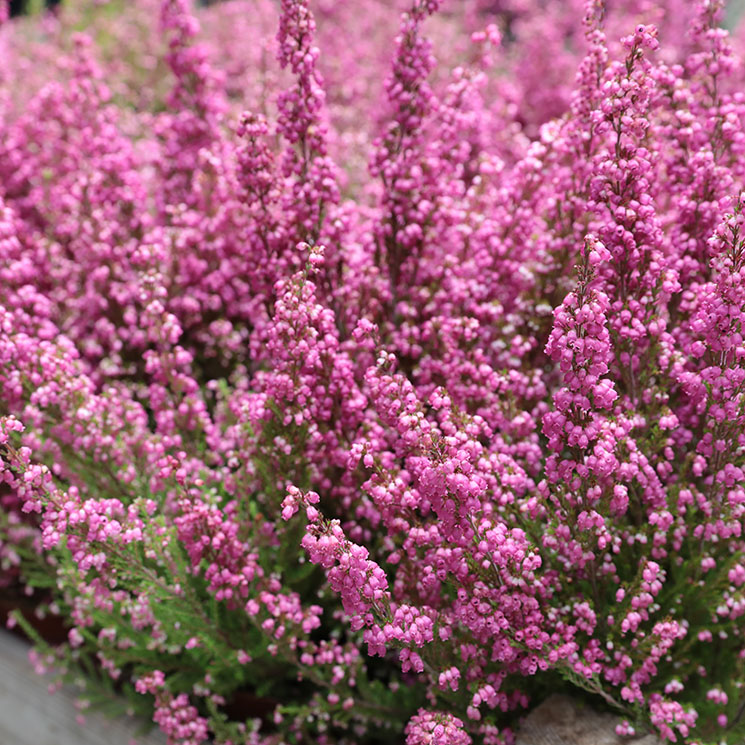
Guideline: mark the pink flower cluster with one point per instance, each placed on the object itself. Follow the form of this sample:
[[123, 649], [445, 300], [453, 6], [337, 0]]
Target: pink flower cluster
[[379, 369], [435, 728]]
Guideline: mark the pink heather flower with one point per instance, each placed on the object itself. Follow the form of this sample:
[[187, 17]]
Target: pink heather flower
[[435, 728], [465, 289]]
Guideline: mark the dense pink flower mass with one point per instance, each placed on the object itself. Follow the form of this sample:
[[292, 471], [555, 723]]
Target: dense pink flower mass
[[369, 371]]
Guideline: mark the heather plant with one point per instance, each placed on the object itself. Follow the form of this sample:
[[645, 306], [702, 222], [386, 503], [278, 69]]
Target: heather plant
[[365, 393]]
